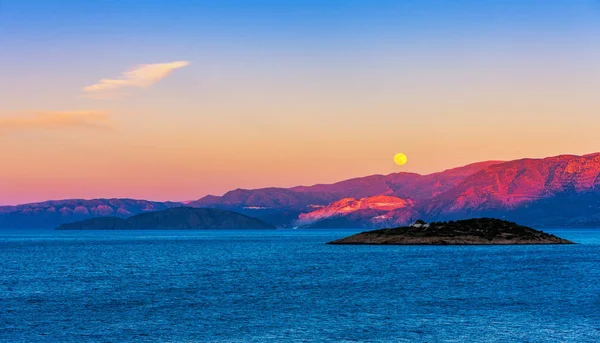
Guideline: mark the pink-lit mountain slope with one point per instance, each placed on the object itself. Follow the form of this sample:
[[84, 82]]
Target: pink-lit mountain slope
[[514, 184], [403, 185], [377, 204], [562, 190], [264, 198]]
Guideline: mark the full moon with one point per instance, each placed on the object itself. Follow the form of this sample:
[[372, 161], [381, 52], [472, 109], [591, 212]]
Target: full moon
[[400, 159]]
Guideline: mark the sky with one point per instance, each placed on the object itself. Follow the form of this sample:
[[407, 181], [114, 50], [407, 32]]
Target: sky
[[174, 100]]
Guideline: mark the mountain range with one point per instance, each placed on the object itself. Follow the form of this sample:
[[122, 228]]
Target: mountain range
[[49, 214], [556, 191]]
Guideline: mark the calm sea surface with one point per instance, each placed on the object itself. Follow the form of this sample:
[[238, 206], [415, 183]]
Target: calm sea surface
[[288, 286]]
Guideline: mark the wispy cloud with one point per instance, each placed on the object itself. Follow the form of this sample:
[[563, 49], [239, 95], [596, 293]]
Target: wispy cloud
[[57, 120], [142, 76]]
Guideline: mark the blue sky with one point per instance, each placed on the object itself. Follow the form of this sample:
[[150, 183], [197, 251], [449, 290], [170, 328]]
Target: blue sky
[[229, 94]]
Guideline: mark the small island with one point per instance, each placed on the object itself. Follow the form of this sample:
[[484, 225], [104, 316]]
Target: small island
[[178, 218], [481, 231]]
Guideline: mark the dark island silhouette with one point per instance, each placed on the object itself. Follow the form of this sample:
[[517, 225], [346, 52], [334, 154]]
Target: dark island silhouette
[[481, 231], [179, 218]]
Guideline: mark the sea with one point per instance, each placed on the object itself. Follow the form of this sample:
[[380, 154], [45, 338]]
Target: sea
[[289, 286]]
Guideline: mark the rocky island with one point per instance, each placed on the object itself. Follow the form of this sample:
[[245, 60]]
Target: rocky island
[[482, 231], [179, 218]]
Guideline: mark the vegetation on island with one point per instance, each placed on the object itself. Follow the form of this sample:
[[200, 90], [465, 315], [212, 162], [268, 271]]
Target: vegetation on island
[[462, 232]]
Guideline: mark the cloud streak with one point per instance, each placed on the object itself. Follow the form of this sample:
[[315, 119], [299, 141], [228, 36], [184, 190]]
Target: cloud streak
[[52, 120], [142, 76]]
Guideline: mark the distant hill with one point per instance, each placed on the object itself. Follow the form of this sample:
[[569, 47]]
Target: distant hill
[[179, 218], [49, 214]]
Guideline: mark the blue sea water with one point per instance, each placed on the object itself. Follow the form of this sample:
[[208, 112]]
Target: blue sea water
[[288, 286]]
